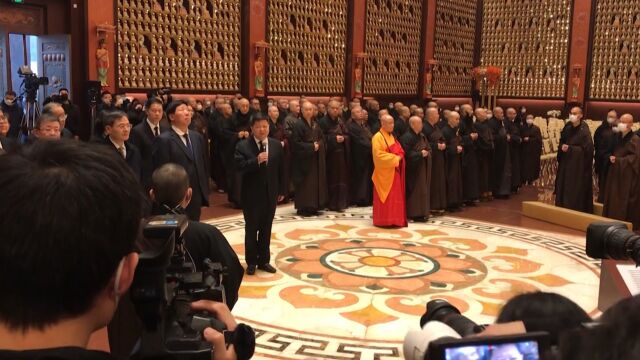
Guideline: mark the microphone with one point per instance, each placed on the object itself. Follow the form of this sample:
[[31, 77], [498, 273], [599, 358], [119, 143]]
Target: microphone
[[263, 148]]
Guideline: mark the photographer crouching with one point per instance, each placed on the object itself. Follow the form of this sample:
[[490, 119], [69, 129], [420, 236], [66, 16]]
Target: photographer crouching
[[69, 223]]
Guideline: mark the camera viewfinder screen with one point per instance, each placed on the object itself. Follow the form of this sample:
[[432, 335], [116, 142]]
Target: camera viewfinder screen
[[525, 350]]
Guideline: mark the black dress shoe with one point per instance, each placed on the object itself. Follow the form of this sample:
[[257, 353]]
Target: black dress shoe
[[251, 269], [268, 268]]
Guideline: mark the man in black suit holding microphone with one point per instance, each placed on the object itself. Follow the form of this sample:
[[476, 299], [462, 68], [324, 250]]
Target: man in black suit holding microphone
[[259, 160]]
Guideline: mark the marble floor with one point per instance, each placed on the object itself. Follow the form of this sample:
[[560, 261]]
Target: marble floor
[[348, 290]]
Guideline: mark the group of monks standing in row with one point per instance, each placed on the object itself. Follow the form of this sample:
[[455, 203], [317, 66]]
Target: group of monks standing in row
[[408, 162]]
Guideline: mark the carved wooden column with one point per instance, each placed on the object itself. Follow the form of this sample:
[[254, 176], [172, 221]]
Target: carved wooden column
[[257, 70], [578, 52], [355, 73]]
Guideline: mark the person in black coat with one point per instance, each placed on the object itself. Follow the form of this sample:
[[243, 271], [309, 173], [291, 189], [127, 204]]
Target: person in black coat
[[144, 134], [259, 161], [118, 128], [6, 144], [13, 112], [185, 148]]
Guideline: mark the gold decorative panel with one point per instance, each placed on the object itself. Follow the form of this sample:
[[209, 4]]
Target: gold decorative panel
[[182, 44], [528, 40], [455, 39], [616, 50], [393, 47], [307, 46]]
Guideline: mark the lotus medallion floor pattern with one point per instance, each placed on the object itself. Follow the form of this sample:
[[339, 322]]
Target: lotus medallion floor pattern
[[348, 290]]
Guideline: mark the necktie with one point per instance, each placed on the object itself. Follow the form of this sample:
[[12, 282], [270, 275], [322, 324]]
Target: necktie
[[156, 130], [121, 151], [186, 138]]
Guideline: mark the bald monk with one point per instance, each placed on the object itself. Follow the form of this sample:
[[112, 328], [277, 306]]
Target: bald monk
[[484, 153], [388, 177], [338, 156], [401, 124], [361, 187], [308, 162], [437, 143], [501, 171], [622, 188], [574, 186], [418, 170], [470, 163], [454, 161]]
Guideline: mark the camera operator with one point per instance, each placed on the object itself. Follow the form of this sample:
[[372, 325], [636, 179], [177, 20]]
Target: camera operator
[[13, 111], [72, 111], [64, 268], [171, 194]]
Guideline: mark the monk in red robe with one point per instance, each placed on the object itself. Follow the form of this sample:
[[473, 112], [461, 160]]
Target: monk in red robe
[[389, 207]]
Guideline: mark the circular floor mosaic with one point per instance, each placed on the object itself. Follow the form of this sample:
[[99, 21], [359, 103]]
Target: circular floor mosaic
[[344, 287]]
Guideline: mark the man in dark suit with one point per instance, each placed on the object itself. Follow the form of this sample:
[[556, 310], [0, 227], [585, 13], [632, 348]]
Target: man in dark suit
[[259, 160], [185, 148], [144, 134], [118, 128]]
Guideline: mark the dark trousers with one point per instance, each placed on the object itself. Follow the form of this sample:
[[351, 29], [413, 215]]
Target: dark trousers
[[258, 218], [194, 208]]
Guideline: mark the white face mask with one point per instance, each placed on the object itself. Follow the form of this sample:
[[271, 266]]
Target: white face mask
[[524, 111], [9, 102], [622, 127], [529, 121], [573, 118], [615, 129], [611, 120]]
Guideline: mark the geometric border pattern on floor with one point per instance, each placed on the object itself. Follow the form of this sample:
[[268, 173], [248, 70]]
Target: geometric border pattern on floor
[[348, 290]]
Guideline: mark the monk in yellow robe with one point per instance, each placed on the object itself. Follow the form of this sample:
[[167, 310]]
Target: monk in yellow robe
[[388, 177]]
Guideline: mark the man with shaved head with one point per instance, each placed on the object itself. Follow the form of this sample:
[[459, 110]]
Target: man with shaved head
[[469, 135], [418, 170], [603, 141], [401, 124], [484, 153], [237, 129], [277, 131], [338, 148], [309, 174], [292, 116], [360, 185], [373, 106], [515, 144], [437, 143], [622, 189], [454, 162], [574, 187], [388, 177], [501, 172]]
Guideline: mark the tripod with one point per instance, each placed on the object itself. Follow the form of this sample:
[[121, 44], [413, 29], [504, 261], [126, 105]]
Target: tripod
[[29, 118]]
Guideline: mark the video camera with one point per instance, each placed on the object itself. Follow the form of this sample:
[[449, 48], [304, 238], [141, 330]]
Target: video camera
[[612, 240], [448, 335], [31, 82], [165, 284]]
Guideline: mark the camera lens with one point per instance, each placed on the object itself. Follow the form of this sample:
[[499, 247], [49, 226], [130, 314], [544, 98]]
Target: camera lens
[[443, 311], [611, 240]]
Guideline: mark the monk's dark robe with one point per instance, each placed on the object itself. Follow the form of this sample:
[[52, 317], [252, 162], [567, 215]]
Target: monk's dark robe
[[530, 153], [515, 145], [338, 155], [277, 131], [438, 190], [360, 185], [239, 122], [418, 173], [574, 177], [453, 167], [308, 174], [501, 165], [216, 148], [603, 143], [373, 121], [399, 127], [484, 154], [622, 192], [470, 189]]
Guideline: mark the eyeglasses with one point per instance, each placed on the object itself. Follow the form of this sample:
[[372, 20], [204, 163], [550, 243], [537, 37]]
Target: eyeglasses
[[124, 126]]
